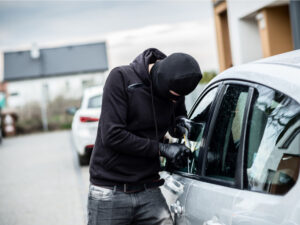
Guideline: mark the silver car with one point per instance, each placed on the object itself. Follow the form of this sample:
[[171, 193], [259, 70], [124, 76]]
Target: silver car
[[245, 138]]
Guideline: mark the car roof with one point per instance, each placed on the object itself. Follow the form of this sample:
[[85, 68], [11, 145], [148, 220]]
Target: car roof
[[280, 72], [287, 59]]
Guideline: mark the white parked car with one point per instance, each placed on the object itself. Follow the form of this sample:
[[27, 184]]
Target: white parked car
[[245, 138], [85, 123]]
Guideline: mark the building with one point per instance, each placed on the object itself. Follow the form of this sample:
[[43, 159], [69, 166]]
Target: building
[[44, 74], [250, 30]]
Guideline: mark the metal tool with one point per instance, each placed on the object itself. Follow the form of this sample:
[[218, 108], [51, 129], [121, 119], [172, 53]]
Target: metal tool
[[188, 144]]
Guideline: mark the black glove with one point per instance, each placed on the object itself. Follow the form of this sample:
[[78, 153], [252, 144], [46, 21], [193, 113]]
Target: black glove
[[182, 124], [177, 154]]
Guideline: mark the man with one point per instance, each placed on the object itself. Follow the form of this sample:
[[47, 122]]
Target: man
[[140, 104]]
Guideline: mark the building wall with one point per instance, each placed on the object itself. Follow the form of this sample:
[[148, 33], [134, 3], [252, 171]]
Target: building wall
[[276, 32], [22, 92], [222, 35], [243, 28], [257, 29], [250, 49]]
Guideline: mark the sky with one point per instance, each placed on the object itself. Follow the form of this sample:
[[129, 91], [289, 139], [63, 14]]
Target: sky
[[128, 27]]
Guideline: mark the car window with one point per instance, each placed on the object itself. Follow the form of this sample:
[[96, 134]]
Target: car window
[[198, 121], [273, 142], [95, 101], [223, 147]]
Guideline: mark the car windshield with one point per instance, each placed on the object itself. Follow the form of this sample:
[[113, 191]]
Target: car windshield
[[95, 101]]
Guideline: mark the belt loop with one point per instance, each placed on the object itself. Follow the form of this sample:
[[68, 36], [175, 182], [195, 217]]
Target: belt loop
[[145, 187], [115, 189], [125, 188]]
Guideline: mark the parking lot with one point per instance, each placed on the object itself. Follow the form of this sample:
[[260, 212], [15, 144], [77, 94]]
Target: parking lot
[[41, 181]]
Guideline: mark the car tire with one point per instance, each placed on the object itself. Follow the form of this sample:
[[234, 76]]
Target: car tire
[[83, 160]]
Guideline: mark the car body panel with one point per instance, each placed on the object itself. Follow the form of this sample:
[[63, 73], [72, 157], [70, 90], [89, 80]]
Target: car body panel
[[267, 209], [258, 208], [218, 203], [84, 134]]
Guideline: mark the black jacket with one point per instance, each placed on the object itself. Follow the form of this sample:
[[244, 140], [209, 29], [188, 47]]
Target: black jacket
[[126, 149]]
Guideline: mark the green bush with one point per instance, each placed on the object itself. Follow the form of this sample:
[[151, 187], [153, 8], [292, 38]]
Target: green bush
[[207, 76]]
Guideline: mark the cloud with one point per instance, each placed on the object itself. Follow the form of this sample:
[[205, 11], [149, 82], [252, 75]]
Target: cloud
[[43, 21], [195, 38]]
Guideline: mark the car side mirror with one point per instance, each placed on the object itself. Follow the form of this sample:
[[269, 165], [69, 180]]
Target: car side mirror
[[196, 130], [71, 110]]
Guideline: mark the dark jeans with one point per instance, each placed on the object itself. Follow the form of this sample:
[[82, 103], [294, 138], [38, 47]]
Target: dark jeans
[[109, 207]]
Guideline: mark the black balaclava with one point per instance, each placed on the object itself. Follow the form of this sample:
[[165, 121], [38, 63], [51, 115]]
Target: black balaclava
[[178, 72]]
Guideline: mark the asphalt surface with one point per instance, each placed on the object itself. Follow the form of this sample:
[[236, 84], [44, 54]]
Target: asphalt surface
[[41, 182]]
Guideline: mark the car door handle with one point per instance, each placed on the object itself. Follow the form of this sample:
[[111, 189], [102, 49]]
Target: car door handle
[[176, 208], [213, 221], [173, 185]]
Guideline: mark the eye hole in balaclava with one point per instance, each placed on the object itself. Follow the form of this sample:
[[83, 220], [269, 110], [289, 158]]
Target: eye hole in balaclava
[[178, 72], [174, 97]]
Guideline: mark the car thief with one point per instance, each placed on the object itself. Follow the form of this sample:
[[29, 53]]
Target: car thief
[[141, 102]]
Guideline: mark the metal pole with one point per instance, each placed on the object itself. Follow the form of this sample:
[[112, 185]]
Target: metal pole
[[44, 104]]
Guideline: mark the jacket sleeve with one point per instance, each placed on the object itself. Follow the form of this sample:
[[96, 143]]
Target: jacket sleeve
[[113, 121]]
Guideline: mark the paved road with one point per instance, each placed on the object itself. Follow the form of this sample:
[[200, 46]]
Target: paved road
[[41, 182]]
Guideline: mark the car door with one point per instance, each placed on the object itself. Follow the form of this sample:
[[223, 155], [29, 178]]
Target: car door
[[271, 162], [177, 183], [210, 197]]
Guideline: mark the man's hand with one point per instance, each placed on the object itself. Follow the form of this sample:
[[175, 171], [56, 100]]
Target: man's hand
[[177, 154]]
